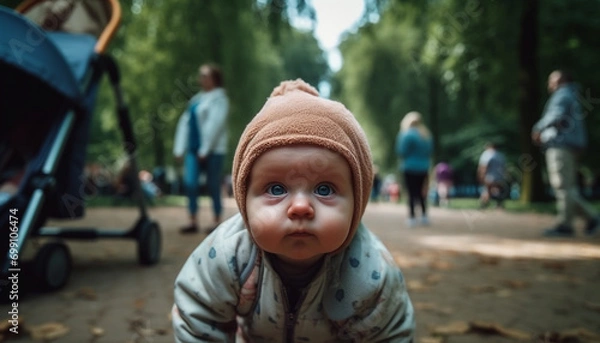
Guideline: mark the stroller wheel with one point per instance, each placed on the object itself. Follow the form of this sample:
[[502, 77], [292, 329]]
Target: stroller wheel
[[149, 244], [52, 266]]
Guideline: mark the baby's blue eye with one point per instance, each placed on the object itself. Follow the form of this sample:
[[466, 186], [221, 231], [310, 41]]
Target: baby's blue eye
[[276, 190], [324, 190]]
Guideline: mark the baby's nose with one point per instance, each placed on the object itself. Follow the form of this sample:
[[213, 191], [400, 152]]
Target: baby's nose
[[300, 207]]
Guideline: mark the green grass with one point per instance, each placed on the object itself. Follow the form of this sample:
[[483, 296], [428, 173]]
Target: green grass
[[111, 201], [511, 205]]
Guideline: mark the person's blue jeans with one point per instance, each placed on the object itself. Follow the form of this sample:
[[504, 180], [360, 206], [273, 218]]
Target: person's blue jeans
[[214, 168], [191, 166]]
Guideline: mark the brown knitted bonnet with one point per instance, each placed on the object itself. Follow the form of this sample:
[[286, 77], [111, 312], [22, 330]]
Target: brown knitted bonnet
[[294, 114]]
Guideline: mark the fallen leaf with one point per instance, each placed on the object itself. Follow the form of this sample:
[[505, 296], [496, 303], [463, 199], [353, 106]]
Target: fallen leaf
[[421, 306], [139, 303], [555, 265], [48, 331], [575, 281], [569, 336], [454, 328], [145, 332], [136, 323], [415, 285], [504, 293], [433, 279], [440, 265], [482, 289], [581, 333], [161, 331], [488, 260], [87, 293], [96, 331], [431, 340], [516, 284], [7, 323], [494, 328], [592, 306]]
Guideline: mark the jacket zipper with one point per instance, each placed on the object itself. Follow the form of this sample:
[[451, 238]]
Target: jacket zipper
[[290, 316]]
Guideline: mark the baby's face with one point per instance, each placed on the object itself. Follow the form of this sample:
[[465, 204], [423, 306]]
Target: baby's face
[[300, 202]]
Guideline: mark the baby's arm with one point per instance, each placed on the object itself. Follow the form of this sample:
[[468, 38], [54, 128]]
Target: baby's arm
[[382, 310], [397, 318], [205, 296], [388, 318]]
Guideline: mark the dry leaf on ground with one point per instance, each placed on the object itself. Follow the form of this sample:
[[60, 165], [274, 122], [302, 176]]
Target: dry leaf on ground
[[592, 306], [423, 306], [405, 262], [569, 336], [87, 293], [516, 284], [431, 340], [461, 328], [7, 323], [139, 303], [454, 328], [48, 331], [488, 260], [433, 279], [555, 265], [416, 285], [504, 293], [494, 328], [578, 333], [97, 331], [440, 265], [482, 289], [161, 331]]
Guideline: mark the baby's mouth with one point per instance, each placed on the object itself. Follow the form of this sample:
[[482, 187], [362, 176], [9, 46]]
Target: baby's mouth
[[300, 233]]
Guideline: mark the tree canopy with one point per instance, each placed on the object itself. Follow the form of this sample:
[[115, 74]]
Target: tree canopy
[[475, 69]]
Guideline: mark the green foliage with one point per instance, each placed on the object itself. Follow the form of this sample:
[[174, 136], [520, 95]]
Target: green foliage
[[457, 63], [161, 45], [303, 58]]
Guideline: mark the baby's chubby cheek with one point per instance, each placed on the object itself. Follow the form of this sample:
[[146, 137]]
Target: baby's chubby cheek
[[262, 220]]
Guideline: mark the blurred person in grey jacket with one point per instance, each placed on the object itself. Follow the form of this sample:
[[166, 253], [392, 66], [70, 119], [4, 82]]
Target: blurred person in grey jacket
[[562, 134]]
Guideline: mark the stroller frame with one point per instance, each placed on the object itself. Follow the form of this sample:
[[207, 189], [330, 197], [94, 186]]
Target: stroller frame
[[52, 263]]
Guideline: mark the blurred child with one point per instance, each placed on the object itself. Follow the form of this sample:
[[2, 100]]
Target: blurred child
[[491, 172], [444, 181]]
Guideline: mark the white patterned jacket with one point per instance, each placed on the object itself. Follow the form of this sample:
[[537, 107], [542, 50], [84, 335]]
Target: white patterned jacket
[[226, 287]]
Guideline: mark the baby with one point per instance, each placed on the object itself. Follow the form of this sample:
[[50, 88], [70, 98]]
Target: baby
[[296, 264]]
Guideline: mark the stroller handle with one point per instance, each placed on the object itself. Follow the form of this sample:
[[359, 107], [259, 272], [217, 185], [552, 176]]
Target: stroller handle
[[107, 33]]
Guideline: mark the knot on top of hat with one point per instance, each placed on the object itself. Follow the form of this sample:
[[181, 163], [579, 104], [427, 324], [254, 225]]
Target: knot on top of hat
[[293, 85]]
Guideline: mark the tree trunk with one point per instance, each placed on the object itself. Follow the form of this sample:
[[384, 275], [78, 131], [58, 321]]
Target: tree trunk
[[434, 115], [532, 187]]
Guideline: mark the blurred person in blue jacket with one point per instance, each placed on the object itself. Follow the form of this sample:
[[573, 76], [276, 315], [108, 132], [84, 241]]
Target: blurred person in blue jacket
[[414, 146]]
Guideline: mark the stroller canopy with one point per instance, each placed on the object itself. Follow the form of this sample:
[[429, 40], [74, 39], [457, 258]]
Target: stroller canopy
[[59, 59]]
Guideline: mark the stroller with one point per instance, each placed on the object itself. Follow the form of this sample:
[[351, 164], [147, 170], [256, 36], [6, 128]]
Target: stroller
[[48, 84]]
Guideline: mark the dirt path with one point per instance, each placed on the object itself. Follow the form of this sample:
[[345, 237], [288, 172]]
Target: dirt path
[[471, 269]]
